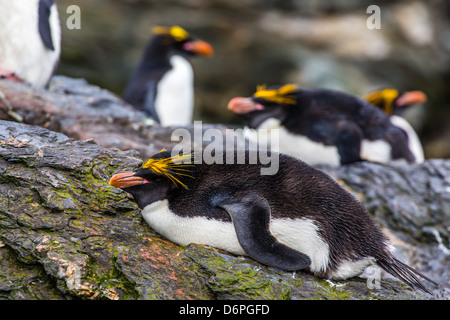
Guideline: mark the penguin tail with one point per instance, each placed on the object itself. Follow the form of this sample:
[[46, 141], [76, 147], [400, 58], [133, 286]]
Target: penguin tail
[[407, 274]]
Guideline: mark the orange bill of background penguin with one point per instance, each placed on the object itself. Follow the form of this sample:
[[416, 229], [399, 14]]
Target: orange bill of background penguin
[[298, 218]]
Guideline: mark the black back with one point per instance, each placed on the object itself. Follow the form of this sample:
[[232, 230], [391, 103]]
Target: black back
[[239, 194]]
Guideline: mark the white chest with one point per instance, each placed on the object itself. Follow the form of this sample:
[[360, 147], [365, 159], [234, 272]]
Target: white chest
[[21, 48], [175, 97]]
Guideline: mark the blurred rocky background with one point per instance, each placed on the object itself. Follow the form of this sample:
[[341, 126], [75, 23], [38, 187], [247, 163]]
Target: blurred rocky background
[[313, 43]]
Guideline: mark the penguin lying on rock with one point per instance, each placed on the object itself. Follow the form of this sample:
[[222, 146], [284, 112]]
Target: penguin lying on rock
[[394, 103], [30, 40], [298, 218], [322, 126], [162, 83]]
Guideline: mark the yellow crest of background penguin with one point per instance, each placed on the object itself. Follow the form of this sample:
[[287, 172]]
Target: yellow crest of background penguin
[[298, 218], [162, 84], [322, 126]]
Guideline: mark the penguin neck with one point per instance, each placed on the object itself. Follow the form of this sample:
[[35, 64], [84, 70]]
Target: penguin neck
[[399, 111]]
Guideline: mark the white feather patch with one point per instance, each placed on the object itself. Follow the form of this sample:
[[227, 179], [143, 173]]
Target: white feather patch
[[298, 146]]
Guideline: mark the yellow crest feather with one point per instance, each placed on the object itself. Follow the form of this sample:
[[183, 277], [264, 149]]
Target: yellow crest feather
[[176, 32], [172, 167], [282, 95], [383, 98]]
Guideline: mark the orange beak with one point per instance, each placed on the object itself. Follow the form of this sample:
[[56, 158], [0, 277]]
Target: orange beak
[[125, 180], [411, 98], [199, 47], [243, 105]]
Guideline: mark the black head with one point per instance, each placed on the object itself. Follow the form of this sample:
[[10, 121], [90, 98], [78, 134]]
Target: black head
[[158, 176], [181, 42], [266, 102], [392, 101]]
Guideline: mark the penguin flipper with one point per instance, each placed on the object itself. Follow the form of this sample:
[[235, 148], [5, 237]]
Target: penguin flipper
[[251, 217], [44, 23]]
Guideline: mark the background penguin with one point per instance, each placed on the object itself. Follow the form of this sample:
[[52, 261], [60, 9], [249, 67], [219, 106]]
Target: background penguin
[[30, 40], [394, 104], [307, 222], [162, 83], [321, 126]]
